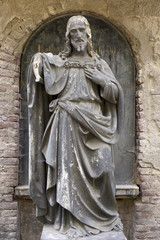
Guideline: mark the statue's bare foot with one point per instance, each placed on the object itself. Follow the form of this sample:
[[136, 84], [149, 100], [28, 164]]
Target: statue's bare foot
[[73, 234]]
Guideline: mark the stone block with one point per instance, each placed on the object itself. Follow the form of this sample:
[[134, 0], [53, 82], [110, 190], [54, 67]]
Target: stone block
[[49, 233]]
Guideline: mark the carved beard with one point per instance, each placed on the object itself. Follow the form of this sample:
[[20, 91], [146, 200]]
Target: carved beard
[[79, 45]]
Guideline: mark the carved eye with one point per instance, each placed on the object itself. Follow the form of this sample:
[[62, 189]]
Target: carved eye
[[81, 29], [73, 31]]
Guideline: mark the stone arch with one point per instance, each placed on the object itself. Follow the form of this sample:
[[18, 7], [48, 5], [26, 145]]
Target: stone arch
[[119, 56]]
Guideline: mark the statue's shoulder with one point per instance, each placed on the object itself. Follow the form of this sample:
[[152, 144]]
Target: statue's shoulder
[[51, 58], [103, 63], [54, 59]]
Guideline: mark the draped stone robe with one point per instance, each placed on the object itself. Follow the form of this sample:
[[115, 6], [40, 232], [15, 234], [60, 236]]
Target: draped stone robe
[[73, 124]]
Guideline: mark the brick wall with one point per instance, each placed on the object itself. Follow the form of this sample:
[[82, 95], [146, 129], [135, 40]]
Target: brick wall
[[139, 21], [147, 207], [9, 137]]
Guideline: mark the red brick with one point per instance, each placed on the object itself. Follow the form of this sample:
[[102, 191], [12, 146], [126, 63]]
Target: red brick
[[142, 215], [146, 199], [145, 186], [142, 228], [10, 214], [148, 193], [8, 124], [8, 175], [140, 80], [8, 73], [10, 154], [16, 103], [13, 118], [140, 115], [138, 101], [16, 96], [155, 200], [151, 235], [155, 228], [9, 182], [9, 169], [144, 165], [16, 110], [17, 55], [6, 190], [143, 207], [15, 89], [6, 198], [3, 89], [139, 93], [139, 108], [7, 57], [12, 205], [9, 161]]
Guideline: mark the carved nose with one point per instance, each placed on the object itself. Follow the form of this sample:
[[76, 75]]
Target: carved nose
[[78, 34]]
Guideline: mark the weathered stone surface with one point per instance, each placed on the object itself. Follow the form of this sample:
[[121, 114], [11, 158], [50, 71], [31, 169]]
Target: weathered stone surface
[[114, 49], [49, 233], [139, 21]]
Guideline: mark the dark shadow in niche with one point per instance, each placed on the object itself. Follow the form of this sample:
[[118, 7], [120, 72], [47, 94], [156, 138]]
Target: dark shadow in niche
[[111, 45]]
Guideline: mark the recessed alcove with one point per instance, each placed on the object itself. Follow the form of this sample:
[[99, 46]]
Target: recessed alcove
[[112, 46]]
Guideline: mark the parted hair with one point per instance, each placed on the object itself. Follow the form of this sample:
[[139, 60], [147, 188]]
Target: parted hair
[[68, 47]]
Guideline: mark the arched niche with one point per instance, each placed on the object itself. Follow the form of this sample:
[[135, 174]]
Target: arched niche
[[112, 46]]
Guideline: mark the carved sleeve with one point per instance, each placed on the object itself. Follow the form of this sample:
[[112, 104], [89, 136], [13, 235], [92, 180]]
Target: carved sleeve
[[110, 92], [37, 68]]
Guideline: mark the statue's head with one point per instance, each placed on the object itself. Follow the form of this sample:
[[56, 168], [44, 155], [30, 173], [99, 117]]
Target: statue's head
[[78, 35]]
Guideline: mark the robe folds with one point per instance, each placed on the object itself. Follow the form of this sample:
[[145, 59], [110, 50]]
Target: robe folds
[[73, 125]]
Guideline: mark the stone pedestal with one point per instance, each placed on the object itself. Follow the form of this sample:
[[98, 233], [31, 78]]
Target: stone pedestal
[[49, 233]]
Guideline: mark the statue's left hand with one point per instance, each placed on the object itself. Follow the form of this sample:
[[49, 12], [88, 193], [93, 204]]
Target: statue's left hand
[[37, 68], [96, 76]]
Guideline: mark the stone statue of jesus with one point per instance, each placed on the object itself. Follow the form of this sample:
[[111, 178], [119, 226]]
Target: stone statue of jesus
[[75, 117]]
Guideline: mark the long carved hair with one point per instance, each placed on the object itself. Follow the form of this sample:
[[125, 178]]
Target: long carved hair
[[68, 47]]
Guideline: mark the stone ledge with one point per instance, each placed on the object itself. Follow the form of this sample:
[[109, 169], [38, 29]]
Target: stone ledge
[[122, 191], [127, 191]]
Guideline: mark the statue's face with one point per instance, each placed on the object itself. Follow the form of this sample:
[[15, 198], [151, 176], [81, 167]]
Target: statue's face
[[78, 36]]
